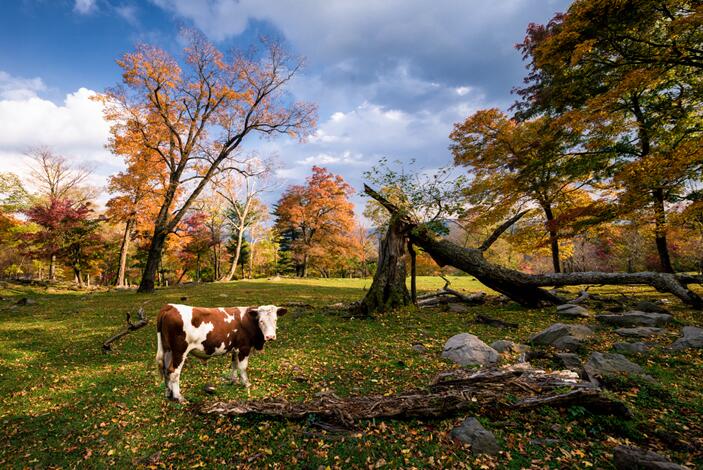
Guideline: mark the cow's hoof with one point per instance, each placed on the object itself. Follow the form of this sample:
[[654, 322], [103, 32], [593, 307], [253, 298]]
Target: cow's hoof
[[180, 400]]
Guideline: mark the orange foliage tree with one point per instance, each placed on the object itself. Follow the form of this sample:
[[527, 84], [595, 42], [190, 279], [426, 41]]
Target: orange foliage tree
[[196, 114], [316, 220]]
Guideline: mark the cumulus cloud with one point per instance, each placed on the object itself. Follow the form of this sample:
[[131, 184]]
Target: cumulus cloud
[[449, 41], [84, 6], [74, 128]]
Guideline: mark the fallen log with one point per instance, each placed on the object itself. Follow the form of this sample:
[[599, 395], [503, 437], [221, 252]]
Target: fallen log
[[527, 289], [143, 321], [450, 393]]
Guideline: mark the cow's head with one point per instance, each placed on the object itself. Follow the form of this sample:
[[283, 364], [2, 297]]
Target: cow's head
[[267, 315]]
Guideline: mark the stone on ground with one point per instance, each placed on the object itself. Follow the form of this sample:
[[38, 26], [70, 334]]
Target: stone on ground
[[631, 348], [572, 310], [640, 332], [635, 318], [505, 345], [692, 338], [612, 365], [481, 440], [650, 307], [571, 361], [548, 336], [456, 307], [466, 349], [631, 457], [568, 343]]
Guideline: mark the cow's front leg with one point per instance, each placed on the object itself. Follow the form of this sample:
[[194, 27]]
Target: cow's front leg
[[242, 363], [235, 366]]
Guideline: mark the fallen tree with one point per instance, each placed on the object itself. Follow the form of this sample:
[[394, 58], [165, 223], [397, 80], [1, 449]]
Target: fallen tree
[[450, 393], [526, 289]]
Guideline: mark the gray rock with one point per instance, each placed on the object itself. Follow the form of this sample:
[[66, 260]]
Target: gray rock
[[26, 301], [568, 343], [466, 349], [650, 307], [631, 348], [640, 332], [505, 345], [629, 457], [419, 348], [481, 440], [635, 318], [571, 361], [548, 336], [610, 365], [573, 310], [692, 338], [457, 307]]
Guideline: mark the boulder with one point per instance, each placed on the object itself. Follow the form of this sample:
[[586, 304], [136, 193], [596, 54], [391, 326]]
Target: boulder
[[26, 301], [611, 365], [505, 345], [692, 338], [629, 457], [570, 361], [572, 310], [635, 318], [481, 440], [567, 343], [650, 307], [419, 348], [548, 336], [466, 349], [456, 307], [640, 332], [631, 348]]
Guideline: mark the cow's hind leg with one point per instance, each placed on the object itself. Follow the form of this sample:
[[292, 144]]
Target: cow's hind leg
[[174, 375], [165, 367]]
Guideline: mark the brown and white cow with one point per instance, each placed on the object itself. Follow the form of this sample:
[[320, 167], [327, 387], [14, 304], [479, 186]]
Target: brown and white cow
[[208, 332]]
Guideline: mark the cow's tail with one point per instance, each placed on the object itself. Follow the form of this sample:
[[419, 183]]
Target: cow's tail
[[159, 348]]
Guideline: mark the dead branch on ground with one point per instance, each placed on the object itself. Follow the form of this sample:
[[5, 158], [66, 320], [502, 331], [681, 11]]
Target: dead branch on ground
[[516, 386], [142, 322]]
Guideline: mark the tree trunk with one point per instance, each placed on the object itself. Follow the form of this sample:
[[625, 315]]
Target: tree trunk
[[660, 231], [235, 261], [52, 268], [413, 273], [123, 253], [304, 267], [388, 290], [78, 277], [152, 261], [197, 268], [553, 237]]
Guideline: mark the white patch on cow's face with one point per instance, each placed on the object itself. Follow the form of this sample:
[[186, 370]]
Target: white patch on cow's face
[[268, 316]]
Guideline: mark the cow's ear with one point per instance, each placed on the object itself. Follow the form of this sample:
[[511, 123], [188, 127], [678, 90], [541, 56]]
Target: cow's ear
[[281, 311], [254, 313]]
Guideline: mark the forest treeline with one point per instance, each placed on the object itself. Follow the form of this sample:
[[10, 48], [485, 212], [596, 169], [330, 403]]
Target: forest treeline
[[603, 147]]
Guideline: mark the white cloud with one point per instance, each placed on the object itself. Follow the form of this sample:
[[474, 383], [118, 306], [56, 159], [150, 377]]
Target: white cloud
[[84, 6], [15, 88], [75, 129]]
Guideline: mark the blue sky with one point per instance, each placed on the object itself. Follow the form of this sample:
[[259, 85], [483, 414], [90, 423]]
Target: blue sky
[[390, 77]]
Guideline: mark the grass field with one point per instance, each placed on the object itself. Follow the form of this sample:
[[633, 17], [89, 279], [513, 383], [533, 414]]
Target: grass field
[[64, 403]]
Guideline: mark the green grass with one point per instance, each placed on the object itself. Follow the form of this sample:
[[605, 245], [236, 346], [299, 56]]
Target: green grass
[[64, 403]]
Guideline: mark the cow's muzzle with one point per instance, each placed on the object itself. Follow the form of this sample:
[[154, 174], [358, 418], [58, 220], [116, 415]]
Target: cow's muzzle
[[270, 338]]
